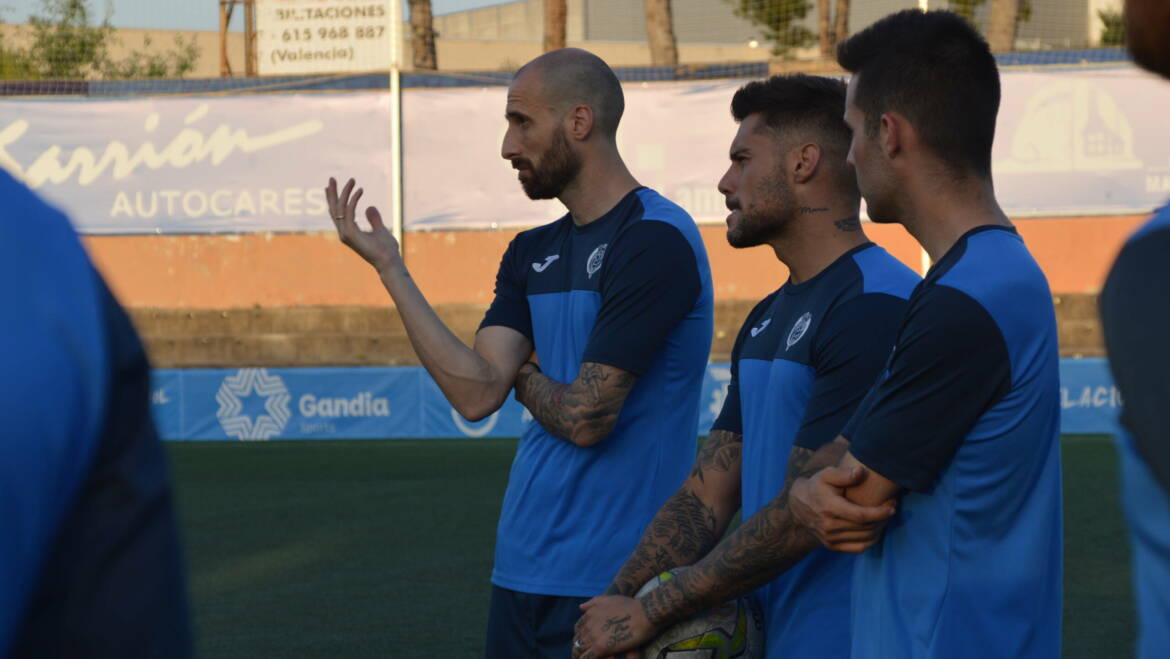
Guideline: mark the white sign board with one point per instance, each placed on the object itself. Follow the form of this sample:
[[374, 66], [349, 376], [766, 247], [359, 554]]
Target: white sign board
[[325, 36]]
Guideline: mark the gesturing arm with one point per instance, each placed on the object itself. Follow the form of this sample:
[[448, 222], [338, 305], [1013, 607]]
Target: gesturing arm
[[475, 380], [693, 519]]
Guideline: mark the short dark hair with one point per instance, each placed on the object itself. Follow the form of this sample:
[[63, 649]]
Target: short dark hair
[[800, 102], [936, 70]]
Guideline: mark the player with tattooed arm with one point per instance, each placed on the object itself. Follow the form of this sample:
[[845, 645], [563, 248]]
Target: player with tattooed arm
[[962, 425], [615, 297], [803, 360]]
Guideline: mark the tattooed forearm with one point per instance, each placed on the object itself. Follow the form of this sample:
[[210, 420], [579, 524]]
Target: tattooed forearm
[[720, 453], [691, 522], [682, 532], [764, 546], [583, 411], [848, 224]]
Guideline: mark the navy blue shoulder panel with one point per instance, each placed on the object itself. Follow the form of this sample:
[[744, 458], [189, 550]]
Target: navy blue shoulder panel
[[1135, 314], [651, 282], [911, 424]]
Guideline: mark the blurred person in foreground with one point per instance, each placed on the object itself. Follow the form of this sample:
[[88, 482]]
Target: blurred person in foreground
[[1135, 314], [89, 552], [803, 360], [616, 299], [962, 427]]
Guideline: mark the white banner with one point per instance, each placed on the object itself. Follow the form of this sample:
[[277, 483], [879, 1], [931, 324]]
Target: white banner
[[325, 36], [199, 165], [1078, 142]]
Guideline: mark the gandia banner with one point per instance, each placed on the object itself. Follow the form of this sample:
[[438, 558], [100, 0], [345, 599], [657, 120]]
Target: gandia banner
[[255, 404], [196, 165]]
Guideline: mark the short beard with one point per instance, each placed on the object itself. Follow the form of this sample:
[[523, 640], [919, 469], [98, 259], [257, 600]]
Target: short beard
[[559, 166], [769, 218]]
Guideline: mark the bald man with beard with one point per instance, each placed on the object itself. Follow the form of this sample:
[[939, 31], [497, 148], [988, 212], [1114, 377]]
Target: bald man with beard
[[615, 299], [1135, 313]]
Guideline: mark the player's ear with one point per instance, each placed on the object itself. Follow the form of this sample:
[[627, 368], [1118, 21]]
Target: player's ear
[[892, 134], [807, 159], [579, 122]]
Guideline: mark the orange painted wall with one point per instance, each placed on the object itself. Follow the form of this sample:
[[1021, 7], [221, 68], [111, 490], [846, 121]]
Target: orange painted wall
[[217, 272]]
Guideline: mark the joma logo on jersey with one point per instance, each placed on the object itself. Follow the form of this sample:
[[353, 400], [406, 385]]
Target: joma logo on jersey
[[595, 259], [541, 267], [763, 326], [799, 329]]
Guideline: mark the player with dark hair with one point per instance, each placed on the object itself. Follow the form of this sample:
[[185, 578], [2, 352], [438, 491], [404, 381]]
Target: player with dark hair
[[90, 559], [616, 299], [803, 360], [1135, 314], [962, 426]]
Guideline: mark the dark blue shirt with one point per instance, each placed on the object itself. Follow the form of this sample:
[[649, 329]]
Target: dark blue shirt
[[966, 418], [1135, 313], [631, 289], [805, 357], [89, 553]]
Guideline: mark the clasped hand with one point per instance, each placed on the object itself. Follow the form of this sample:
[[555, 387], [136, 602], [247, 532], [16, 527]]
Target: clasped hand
[[818, 503]]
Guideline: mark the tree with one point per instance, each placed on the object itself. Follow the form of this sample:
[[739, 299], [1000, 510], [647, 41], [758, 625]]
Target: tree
[[660, 33], [554, 24], [65, 45], [832, 26], [841, 29], [824, 37], [777, 18], [1113, 28], [422, 36], [1003, 22]]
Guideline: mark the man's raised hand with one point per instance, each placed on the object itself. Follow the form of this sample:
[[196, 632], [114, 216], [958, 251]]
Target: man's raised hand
[[377, 246]]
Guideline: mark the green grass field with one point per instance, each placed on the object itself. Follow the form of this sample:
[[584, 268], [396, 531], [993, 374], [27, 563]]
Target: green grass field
[[383, 548]]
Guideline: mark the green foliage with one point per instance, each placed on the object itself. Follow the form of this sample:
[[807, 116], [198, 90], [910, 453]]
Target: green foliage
[[63, 44], [171, 64], [776, 18], [967, 8], [1114, 32]]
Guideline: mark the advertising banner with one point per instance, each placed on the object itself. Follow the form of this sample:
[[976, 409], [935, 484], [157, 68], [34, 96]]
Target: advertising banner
[[251, 404], [324, 36], [1068, 142], [198, 165]]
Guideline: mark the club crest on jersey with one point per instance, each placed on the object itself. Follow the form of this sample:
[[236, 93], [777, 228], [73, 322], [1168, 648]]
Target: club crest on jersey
[[799, 329], [594, 262]]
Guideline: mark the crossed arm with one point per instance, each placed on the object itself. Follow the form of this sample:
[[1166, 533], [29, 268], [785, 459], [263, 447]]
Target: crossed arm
[[828, 499], [583, 411]]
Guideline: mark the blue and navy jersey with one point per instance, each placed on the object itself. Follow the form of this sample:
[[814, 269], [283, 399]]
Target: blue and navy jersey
[[804, 359], [89, 553], [966, 418], [631, 289], [1135, 314]]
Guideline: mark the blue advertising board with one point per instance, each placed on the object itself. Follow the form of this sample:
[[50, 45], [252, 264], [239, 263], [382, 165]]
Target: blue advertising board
[[405, 403]]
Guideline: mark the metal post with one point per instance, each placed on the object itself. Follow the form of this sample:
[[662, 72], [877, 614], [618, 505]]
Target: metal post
[[396, 225], [249, 38]]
